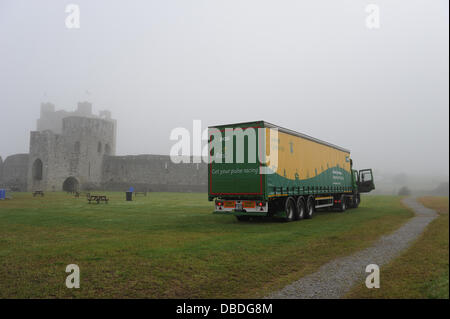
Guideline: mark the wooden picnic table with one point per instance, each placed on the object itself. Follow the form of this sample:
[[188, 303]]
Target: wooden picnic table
[[35, 193], [98, 199], [140, 193]]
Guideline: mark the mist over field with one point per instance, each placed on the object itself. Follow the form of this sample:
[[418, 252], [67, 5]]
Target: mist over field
[[309, 66]]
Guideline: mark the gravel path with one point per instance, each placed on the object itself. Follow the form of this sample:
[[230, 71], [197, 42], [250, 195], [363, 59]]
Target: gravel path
[[334, 279]]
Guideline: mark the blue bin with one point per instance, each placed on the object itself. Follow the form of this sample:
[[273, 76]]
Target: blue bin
[[2, 193]]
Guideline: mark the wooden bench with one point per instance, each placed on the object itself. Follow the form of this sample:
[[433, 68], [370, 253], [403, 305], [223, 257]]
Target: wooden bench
[[97, 198], [35, 193]]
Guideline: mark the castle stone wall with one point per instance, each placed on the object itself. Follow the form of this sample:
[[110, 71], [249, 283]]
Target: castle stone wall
[[1, 170], [14, 172], [153, 173]]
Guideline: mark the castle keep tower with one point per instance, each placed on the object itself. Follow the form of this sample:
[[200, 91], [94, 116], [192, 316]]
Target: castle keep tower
[[67, 150]]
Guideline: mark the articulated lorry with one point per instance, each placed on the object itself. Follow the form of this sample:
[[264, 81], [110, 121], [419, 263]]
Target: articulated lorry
[[260, 169]]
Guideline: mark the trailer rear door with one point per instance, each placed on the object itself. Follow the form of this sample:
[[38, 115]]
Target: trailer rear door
[[235, 179]]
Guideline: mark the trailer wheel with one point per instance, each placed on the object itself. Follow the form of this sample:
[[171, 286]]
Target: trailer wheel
[[243, 218], [309, 207], [301, 208], [290, 209], [343, 204]]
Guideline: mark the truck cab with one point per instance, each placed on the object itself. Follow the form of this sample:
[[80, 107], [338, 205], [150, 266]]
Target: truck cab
[[363, 180]]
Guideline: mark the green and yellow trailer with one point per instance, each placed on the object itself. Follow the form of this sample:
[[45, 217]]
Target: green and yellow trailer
[[293, 175]]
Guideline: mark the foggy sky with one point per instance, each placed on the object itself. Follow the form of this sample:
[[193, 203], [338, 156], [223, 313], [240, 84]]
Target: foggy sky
[[310, 66]]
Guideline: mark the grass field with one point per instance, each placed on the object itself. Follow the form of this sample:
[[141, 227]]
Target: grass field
[[169, 245], [423, 270]]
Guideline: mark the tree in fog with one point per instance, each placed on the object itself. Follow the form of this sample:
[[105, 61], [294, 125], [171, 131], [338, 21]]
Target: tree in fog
[[404, 191], [400, 179]]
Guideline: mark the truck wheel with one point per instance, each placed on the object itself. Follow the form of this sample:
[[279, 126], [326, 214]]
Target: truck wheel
[[290, 209], [343, 204], [309, 207], [356, 200], [243, 218], [301, 208]]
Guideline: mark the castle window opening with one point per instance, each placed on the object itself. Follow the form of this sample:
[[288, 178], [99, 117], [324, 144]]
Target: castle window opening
[[37, 170], [107, 149]]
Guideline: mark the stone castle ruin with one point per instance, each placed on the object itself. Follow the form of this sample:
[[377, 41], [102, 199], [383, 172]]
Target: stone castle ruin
[[73, 151]]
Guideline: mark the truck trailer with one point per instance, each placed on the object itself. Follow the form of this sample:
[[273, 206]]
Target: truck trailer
[[293, 175]]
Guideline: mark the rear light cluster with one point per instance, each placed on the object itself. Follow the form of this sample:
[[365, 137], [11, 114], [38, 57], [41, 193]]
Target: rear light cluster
[[261, 205], [245, 204], [219, 205]]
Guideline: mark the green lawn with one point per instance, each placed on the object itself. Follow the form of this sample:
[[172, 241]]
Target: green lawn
[[169, 245], [422, 270]]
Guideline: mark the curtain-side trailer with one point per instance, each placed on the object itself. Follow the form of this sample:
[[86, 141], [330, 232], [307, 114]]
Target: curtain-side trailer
[[260, 169]]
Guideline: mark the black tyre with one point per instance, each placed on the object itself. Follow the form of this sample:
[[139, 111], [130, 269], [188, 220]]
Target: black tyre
[[301, 208], [356, 200], [343, 204], [309, 207], [243, 218], [290, 209]]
